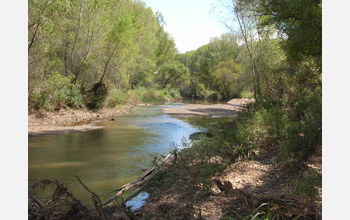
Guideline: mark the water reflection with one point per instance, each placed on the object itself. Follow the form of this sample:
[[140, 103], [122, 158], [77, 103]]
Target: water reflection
[[106, 158]]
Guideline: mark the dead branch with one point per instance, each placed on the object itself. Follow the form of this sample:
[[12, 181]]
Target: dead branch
[[137, 182], [60, 197], [95, 196], [135, 193]]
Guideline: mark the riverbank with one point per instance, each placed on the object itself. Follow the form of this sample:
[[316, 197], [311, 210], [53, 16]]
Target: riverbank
[[228, 109], [213, 189], [71, 120]]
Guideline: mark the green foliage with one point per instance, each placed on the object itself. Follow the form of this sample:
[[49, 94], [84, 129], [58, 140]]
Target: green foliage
[[303, 132], [301, 21], [116, 43], [141, 95], [118, 98], [74, 97], [268, 126], [172, 74], [252, 130], [172, 93], [208, 170], [246, 95], [225, 79], [56, 92], [39, 101], [308, 185], [214, 71], [153, 95], [166, 47]]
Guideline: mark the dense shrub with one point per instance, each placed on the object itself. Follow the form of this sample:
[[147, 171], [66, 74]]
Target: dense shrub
[[297, 132], [55, 93], [118, 98], [308, 185], [303, 132], [39, 101], [74, 97], [141, 95], [173, 93]]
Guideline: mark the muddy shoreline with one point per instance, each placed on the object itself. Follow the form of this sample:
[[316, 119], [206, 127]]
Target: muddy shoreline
[[70, 120]]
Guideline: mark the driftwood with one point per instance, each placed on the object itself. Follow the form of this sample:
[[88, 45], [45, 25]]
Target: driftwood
[[137, 182], [63, 204], [61, 197]]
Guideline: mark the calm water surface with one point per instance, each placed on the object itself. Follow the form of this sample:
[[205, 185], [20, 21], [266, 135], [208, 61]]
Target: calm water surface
[[107, 158]]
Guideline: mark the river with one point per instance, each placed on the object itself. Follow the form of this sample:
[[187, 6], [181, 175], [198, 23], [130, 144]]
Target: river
[[107, 158]]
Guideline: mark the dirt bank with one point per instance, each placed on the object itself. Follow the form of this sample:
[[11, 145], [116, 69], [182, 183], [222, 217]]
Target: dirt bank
[[228, 109], [69, 120], [185, 191]]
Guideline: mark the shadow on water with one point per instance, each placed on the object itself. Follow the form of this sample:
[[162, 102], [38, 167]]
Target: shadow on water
[[107, 158]]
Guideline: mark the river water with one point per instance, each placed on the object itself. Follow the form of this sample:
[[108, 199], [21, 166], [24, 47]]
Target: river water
[[107, 158]]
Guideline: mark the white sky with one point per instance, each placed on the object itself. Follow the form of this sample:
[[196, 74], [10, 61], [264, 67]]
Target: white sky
[[188, 21]]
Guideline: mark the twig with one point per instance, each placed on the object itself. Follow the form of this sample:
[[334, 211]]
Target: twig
[[99, 207]]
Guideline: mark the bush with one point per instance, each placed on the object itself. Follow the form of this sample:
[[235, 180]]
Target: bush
[[308, 185], [141, 95], [172, 93], [246, 95], [297, 131], [39, 101], [56, 92], [74, 97], [118, 98], [303, 132], [248, 132], [151, 95]]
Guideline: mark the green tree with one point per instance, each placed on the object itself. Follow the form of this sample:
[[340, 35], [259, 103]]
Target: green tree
[[174, 74], [301, 22], [242, 12], [226, 78]]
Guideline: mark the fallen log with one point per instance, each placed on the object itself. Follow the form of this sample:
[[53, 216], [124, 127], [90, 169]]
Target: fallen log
[[148, 172], [137, 182]]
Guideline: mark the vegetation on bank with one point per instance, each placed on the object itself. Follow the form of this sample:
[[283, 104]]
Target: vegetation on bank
[[99, 53], [108, 53], [58, 92]]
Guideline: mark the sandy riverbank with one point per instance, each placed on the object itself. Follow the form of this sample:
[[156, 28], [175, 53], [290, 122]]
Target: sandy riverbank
[[229, 109], [69, 120]]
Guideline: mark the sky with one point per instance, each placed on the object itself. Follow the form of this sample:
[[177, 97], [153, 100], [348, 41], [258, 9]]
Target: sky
[[188, 21]]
